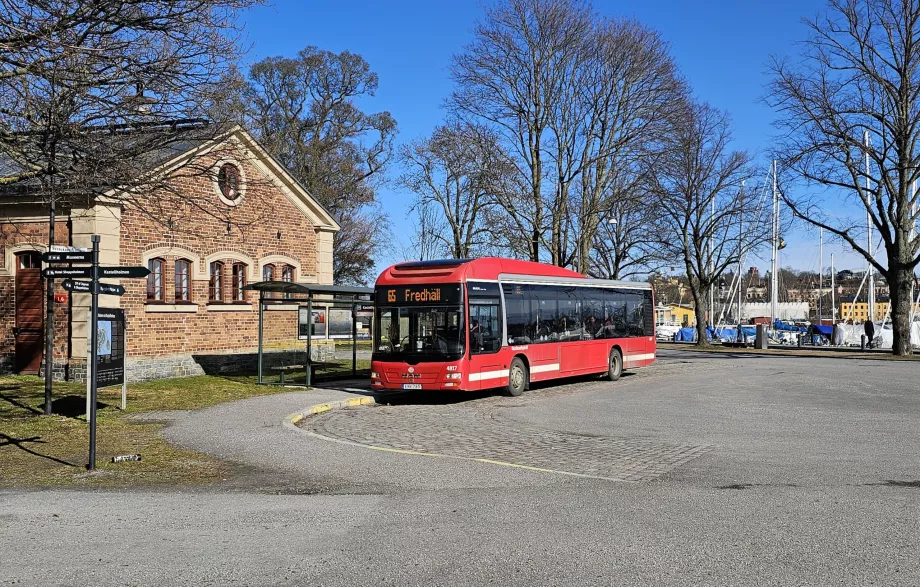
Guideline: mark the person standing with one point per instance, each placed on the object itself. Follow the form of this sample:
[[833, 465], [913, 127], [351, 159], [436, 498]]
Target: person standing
[[869, 327]]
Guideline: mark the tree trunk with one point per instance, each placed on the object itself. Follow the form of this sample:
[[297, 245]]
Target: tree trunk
[[899, 281], [701, 305]]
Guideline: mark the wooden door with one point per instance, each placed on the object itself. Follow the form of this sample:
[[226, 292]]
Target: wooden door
[[30, 320]]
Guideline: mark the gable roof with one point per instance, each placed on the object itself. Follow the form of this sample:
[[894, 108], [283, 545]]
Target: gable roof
[[161, 148]]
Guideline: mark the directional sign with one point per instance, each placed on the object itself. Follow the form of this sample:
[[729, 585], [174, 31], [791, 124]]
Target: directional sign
[[123, 272], [69, 249], [53, 257], [109, 289], [77, 286], [67, 272]]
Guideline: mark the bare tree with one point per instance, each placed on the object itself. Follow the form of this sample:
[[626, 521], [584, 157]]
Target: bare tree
[[577, 102], [515, 71], [454, 174], [623, 244], [633, 93], [698, 184], [305, 112], [858, 78]]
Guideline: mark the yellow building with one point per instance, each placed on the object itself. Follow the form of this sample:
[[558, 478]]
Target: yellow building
[[681, 314], [860, 310]]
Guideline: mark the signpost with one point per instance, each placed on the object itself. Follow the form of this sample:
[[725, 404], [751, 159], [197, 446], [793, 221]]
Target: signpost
[[88, 287], [106, 357], [52, 272], [77, 286], [124, 272], [64, 257]]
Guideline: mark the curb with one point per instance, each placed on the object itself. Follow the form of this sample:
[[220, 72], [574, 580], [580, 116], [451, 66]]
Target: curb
[[292, 420]]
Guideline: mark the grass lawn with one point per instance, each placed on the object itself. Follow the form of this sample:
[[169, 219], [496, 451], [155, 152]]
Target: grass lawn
[[38, 450], [339, 368]]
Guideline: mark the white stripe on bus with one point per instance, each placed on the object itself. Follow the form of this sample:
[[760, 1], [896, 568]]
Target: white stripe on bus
[[640, 357], [489, 375], [544, 368]]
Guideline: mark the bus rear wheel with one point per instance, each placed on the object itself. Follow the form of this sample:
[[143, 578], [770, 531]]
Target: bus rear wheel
[[615, 365], [517, 378]]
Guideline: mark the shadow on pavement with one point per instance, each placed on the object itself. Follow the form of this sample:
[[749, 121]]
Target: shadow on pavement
[[432, 398]]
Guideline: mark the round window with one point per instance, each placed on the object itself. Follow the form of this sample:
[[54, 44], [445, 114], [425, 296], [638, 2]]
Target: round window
[[228, 181]]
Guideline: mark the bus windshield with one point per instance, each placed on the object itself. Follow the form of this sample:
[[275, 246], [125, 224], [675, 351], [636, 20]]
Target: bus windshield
[[419, 333]]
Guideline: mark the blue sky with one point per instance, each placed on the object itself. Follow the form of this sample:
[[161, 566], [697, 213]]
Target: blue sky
[[722, 48]]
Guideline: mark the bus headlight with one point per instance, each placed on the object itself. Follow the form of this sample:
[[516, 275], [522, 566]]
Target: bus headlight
[[375, 375], [455, 376]]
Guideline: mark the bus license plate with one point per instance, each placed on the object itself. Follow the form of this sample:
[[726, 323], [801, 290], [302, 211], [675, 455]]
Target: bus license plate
[[412, 385]]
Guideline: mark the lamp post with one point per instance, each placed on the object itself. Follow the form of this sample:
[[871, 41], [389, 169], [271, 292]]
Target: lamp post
[[612, 226]]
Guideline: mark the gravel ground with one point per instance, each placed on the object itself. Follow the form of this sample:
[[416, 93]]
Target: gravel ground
[[811, 477]]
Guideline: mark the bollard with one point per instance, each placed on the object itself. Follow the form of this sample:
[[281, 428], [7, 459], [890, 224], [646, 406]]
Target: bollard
[[799, 339], [760, 340], [862, 342]]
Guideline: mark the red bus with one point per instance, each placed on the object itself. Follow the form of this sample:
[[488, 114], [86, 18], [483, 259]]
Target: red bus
[[475, 324]]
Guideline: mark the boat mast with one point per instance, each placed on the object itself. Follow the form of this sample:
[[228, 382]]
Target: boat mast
[[773, 276], [740, 237], [820, 273], [833, 292], [712, 234], [871, 299]]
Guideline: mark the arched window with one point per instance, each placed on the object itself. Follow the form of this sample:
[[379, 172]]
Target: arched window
[[239, 282], [287, 274], [216, 282], [183, 280], [155, 289], [268, 272]]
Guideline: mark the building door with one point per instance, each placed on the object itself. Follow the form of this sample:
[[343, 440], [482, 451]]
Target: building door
[[29, 313]]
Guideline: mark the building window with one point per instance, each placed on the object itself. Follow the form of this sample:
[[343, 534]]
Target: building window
[[228, 183], [216, 282], [268, 273], [183, 274], [239, 281], [30, 260], [155, 280], [287, 274]]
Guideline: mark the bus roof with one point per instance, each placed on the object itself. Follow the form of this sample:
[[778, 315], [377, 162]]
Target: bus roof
[[490, 269]]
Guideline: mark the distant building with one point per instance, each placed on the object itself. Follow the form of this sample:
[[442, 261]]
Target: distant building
[[682, 314], [858, 310], [784, 310]]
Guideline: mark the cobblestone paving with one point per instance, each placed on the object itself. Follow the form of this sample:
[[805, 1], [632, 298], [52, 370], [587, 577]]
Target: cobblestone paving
[[475, 429]]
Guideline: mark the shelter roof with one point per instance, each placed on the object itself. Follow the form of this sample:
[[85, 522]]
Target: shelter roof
[[309, 289]]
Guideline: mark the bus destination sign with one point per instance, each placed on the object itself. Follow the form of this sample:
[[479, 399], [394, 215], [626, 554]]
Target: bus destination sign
[[438, 294]]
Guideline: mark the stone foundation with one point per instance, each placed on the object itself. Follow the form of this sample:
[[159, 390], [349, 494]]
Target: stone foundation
[[179, 365]]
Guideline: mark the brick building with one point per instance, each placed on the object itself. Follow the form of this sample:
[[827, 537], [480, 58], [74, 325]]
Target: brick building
[[244, 219]]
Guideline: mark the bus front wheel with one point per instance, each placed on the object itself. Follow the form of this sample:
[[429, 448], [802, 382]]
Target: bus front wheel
[[615, 366], [517, 377]]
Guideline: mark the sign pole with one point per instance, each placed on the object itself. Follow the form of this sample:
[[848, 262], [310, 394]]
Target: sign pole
[[89, 375], [124, 381], [94, 316]]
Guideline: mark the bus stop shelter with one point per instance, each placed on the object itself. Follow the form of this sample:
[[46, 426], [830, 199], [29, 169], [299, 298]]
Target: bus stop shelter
[[285, 295]]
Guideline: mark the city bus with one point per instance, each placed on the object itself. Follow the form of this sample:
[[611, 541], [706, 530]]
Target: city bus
[[492, 323]]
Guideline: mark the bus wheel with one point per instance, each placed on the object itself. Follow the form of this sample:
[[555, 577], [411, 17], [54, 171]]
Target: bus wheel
[[517, 377], [615, 366]]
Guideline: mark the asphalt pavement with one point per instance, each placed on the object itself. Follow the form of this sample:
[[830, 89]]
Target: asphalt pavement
[[803, 471]]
